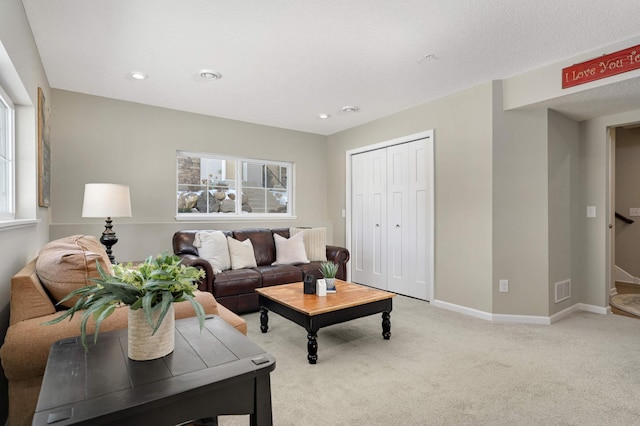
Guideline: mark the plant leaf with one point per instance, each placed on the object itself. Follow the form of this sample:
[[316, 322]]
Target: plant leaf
[[101, 315], [167, 300], [127, 293], [147, 305], [197, 307]]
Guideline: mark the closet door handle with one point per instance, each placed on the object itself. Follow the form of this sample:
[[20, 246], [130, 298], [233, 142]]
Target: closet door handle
[[397, 226], [377, 225]]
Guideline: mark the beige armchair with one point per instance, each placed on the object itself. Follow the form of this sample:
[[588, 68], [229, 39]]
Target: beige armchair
[[26, 346]]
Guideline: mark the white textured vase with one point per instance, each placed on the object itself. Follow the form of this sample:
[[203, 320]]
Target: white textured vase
[[142, 345], [331, 284]]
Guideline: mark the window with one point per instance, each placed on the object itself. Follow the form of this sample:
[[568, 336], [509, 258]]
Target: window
[[220, 186], [7, 205]]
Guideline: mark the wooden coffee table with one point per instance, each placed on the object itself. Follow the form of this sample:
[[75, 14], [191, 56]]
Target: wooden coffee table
[[313, 312]]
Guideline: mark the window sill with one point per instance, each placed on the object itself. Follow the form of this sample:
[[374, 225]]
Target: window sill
[[195, 217], [6, 225]]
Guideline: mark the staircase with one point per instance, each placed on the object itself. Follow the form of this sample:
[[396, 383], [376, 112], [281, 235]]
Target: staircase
[[628, 308]]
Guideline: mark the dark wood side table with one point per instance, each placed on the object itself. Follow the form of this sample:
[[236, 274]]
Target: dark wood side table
[[214, 372]]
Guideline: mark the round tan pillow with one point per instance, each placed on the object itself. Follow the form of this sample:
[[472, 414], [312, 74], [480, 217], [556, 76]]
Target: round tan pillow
[[68, 263]]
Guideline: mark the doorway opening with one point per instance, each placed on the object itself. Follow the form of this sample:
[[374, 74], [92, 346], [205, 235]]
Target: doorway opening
[[624, 211]]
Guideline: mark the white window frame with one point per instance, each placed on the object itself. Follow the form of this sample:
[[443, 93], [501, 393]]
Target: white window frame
[[240, 174], [9, 156]]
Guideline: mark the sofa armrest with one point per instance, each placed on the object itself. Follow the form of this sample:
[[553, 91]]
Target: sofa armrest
[[339, 256], [28, 298], [232, 318], [206, 284], [26, 346]]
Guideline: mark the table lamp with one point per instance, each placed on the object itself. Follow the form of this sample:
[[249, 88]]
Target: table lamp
[[106, 200]]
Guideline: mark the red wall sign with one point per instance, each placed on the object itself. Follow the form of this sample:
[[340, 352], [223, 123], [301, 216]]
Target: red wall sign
[[602, 67]]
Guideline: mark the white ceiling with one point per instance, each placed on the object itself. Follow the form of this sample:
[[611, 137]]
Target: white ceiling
[[285, 61]]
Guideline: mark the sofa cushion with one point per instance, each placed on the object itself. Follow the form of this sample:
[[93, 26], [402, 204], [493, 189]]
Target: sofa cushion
[[213, 246], [241, 253], [315, 242], [279, 274], [69, 263], [264, 247], [234, 282], [312, 268], [290, 251]]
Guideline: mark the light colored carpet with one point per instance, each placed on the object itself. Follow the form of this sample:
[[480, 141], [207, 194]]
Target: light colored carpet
[[629, 303], [443, 368]]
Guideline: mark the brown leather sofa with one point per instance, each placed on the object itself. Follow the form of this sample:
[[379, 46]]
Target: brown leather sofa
[[26, 346], [235, 288]]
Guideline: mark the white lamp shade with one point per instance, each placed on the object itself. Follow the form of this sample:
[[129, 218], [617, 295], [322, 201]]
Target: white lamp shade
[[106, 200]]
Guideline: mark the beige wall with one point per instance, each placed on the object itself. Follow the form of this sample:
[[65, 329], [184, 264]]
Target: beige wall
[[21, 74], [627, 191], [520, 210], [589, 186], [105, 140], [536, 201], [508, 199], [565, 207], [463, 186]]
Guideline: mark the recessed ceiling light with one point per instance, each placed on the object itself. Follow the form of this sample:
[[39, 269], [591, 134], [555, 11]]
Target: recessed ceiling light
[[324, 116], [139, 75], [210, 75], [349, 108]]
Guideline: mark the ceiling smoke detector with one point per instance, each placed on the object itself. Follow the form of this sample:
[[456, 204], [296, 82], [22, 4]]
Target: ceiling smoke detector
[[349, 109], [428, 57], [210, 75]]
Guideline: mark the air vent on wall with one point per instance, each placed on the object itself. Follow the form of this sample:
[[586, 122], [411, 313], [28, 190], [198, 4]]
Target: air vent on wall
[[563, 290]]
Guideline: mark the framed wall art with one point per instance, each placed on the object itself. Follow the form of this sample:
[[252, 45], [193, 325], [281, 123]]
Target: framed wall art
[[44, 152]]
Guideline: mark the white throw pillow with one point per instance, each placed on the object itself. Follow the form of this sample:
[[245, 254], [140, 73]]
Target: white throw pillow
[[213, 247], [241, 253], [315, 242], [290, 251]]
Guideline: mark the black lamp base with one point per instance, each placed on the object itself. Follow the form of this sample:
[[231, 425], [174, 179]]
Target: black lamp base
[[109, 239]]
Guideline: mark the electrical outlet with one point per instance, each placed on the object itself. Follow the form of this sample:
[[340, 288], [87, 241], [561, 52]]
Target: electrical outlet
[[504, 286]]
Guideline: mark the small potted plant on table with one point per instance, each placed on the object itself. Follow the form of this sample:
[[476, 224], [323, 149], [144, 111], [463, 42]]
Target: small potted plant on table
[[329, 270]]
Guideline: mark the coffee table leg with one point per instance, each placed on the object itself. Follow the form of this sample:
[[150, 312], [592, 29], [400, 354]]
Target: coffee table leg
[[312, 347], [386, 325], [264, 319]]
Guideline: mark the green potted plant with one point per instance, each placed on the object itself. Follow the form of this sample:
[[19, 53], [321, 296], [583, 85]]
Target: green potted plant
[[329, 271], [149, 289]]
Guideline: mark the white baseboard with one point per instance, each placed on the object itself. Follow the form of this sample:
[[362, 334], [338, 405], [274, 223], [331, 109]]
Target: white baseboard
[[462, 310], [580, 307], [521, 319], [594, 309]]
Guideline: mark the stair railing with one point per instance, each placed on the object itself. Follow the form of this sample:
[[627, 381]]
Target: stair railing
[[624, 218]]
